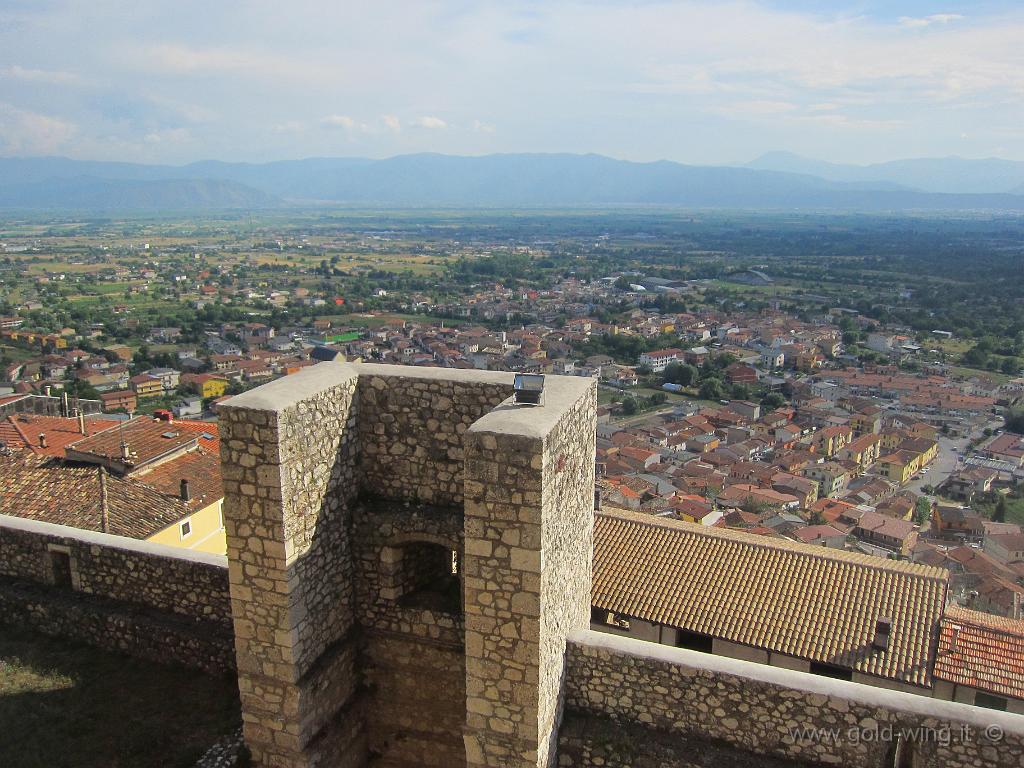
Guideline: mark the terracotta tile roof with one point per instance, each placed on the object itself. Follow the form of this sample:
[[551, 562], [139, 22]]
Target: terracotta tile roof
[[200, 467], [148, 439], [208, 432], [982, 651], [54, 491], [796, 599], [21, 432]]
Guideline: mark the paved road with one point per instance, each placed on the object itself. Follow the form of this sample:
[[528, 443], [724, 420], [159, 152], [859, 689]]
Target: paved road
[[947, 460]]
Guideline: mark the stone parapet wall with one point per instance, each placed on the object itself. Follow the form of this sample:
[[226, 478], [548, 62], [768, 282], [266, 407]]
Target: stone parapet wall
[[147, 600], [529, 510], [112, 625], [289, 454], [619, 684], [411, 426], [415, 702], [189, 584]]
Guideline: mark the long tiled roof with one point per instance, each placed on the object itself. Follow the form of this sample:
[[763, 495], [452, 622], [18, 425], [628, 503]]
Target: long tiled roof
[[147, 439], [982, 651], [783, 597], [22, 431], [202, 470], [53, 491]]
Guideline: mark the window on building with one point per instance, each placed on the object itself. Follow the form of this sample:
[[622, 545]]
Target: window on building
[[428, 577], [60, 569], [186, 529], [989, 701], [830, 670], [608, 618], [694, 641]]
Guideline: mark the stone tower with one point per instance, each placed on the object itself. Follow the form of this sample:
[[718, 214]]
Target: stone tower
[[408, 552]]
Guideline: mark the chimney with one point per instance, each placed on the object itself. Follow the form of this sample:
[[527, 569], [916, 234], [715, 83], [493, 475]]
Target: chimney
[[42, 440], [81, 422], [185, 493], [883, 628], [954, 639], [46, 390], [104, 505], [125, 453]]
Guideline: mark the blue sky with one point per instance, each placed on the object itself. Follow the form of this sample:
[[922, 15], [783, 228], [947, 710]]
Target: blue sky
[[696, 82]]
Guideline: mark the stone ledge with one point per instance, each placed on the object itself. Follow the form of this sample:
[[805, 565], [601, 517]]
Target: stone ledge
[[535, 421], [111, 541], [287, 391], [801, 682]]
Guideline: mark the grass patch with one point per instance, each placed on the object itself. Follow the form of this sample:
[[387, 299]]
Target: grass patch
[[66, 704]]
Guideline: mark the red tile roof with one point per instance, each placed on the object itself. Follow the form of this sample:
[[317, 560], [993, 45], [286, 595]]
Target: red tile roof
[[53, 491], [982, 651], [147, 440], [22, 431]]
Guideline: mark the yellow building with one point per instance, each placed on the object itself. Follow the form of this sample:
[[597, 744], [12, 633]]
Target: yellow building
[[203, 531], [926, 449], [867, 422], [145, 386], [900, 466], [207, 384]]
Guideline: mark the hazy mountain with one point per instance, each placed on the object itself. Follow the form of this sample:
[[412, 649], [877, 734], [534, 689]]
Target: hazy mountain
[[92, 193], [444, 180], [947, 174]]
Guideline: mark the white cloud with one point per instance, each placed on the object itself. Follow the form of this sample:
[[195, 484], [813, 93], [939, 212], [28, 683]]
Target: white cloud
[[23, 132], [338, 121], [168, 136], [926, 21], [757, 108], [185, 60], [430, 122], [391, 122], [50, 77], [481, 127], [289, 126]]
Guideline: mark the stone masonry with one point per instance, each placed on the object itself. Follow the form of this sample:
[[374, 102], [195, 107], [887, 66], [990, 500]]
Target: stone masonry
[[351, 492], [529, 537], [152, 601], [634, 704]]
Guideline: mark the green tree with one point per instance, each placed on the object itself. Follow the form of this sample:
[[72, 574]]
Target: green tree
[[681, 373], [629, 406], [1015, 420], [773, 400], [711, 389], [999, 514]]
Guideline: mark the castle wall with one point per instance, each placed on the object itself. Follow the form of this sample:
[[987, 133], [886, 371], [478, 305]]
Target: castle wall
[[616, 685], [411, 427], [321, 567], [528, 539], [416, 702], [160, 603], [289, 454], [411, 659]]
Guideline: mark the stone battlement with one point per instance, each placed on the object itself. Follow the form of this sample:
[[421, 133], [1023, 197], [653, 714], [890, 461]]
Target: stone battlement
[[393, 534]]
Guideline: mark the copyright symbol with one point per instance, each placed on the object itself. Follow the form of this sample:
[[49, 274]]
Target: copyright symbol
[[994, 733]]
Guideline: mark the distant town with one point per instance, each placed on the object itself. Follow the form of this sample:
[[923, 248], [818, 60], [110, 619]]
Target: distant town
[[736, 400]]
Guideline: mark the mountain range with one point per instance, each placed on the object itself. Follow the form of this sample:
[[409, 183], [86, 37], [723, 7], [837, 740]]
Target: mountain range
[[951, 175], [773, 181]]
